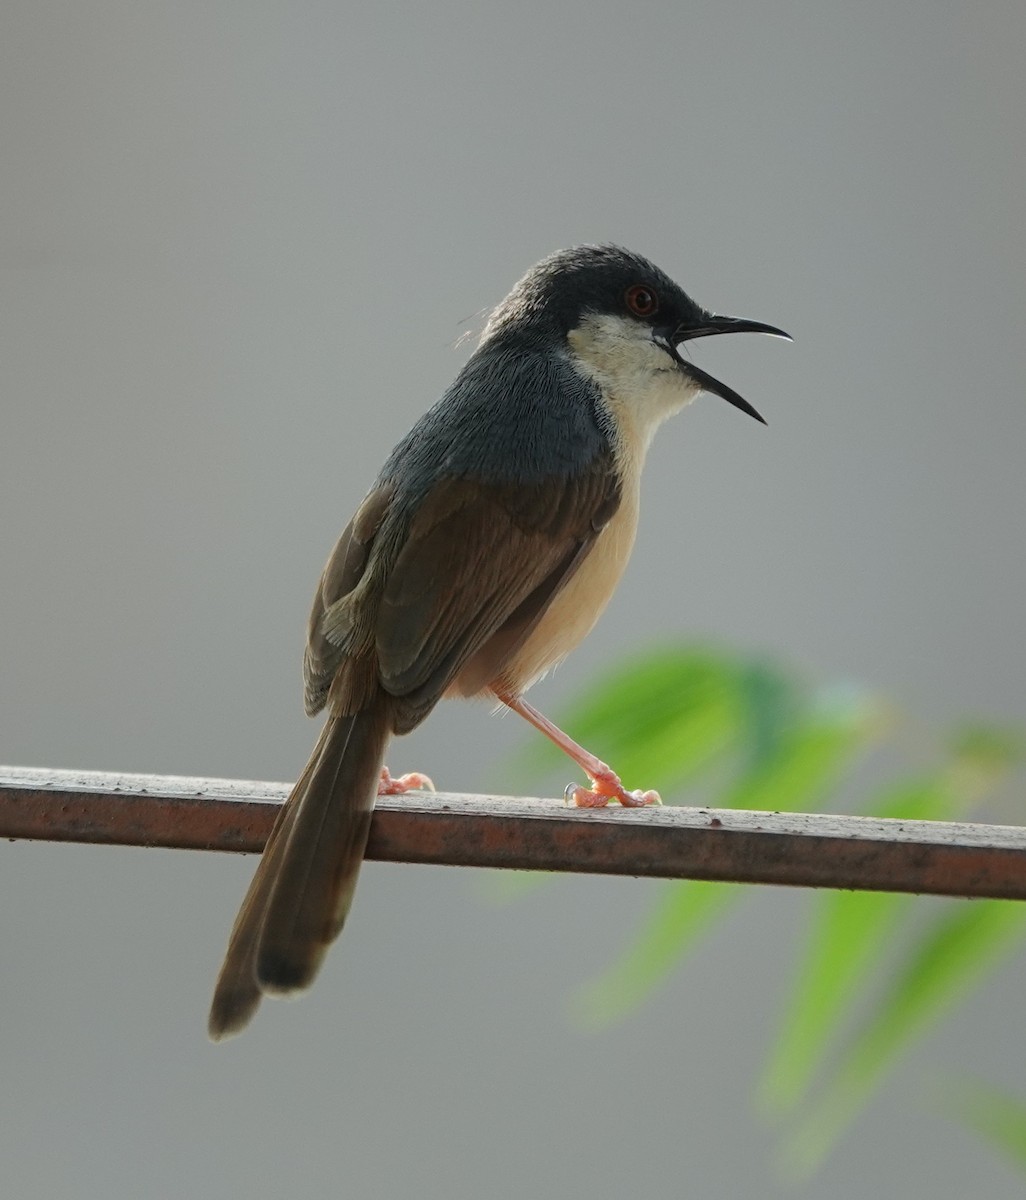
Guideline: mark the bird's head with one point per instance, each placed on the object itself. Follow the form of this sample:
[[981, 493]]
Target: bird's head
[[623, 320]]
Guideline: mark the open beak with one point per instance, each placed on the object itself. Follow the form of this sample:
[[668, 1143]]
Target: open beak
[[708, 325]]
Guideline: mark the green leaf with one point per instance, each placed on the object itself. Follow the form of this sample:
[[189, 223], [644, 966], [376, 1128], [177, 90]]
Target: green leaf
[[771, 705], [683, 912], [811, 755], [963, 944], [851, 932], [995, 1115], [998, 748]]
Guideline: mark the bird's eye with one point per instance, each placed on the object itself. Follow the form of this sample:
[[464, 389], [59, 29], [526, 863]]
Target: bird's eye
[[641, 300]]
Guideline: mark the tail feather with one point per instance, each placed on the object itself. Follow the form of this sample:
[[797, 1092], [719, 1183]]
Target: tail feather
[[314, 886], [236, 994], [303, 887]]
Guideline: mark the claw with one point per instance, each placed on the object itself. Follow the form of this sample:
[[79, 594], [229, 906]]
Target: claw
[[605, 789], [390, 785]]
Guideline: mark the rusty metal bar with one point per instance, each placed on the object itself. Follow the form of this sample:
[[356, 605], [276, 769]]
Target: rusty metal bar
[[804, 850]]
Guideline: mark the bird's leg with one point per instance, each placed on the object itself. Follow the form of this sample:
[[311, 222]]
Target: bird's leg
[[606, 783], [414, 781]]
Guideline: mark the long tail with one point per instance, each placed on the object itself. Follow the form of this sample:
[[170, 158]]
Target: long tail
[[303, 886]]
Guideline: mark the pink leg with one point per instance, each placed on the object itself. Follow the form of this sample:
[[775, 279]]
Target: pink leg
[[606, 783], [415, 781]]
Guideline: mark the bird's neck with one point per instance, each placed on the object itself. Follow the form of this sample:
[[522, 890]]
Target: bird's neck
[[639, 384]]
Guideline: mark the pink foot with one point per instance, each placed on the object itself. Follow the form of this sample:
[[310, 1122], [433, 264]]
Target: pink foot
[[606, 786], [414, 781]]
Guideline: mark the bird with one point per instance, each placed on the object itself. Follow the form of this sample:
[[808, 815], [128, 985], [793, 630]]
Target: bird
[[485, 551]]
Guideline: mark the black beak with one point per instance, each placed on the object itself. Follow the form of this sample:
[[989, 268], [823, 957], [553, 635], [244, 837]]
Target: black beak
[[708, 325]]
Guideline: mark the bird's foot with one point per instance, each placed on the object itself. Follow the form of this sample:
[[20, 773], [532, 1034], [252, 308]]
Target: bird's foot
[[606, 786], [389, 785], [606, 783]]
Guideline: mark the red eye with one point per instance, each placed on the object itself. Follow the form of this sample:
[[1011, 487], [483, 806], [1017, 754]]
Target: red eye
[[641, 300]]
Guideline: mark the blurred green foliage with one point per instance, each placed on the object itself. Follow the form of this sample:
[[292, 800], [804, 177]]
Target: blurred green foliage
[[716, 728], [998, 1117]]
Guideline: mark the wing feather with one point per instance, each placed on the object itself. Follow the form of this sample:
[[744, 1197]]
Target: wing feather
[[406, 601], [474, 555]]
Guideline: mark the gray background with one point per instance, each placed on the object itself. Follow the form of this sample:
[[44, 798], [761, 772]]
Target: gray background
[[238, 244]]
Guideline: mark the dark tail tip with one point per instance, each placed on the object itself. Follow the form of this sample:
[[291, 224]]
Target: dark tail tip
[[278, 974], [230, 1014]]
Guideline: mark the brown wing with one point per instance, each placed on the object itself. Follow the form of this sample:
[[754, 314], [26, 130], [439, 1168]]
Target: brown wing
[[481, 562], [475, 562], [326, 650]]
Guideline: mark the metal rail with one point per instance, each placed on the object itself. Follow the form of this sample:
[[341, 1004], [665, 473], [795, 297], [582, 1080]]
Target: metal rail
[[804, 850]]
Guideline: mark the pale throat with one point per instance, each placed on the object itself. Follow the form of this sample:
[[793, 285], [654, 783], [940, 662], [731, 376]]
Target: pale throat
[[641, 386]]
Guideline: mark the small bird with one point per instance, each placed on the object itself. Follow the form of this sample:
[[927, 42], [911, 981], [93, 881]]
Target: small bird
[[485, 551]]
